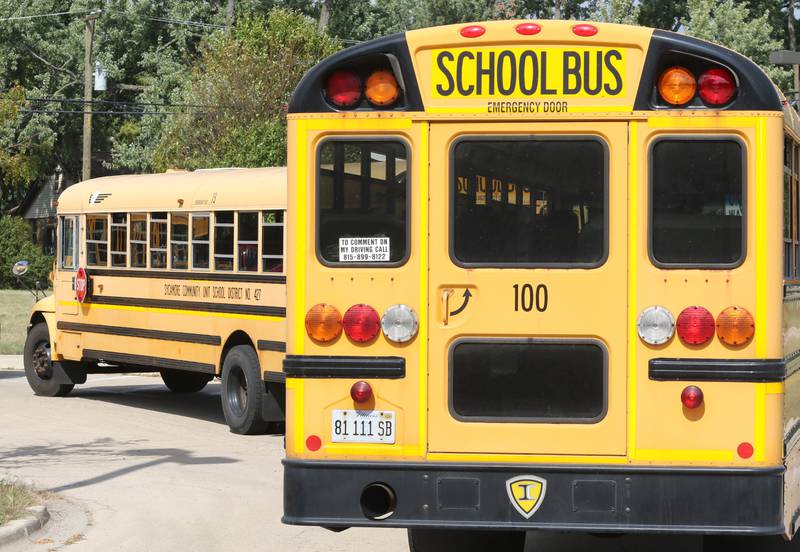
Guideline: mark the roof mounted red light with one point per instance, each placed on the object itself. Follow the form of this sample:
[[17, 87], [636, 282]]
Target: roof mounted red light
[[528, 29], [344, 88], [584, 29], [717, 86], [695, 326], [472, 31]]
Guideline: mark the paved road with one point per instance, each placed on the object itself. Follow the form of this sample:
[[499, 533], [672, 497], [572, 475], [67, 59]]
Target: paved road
[[139, 468]]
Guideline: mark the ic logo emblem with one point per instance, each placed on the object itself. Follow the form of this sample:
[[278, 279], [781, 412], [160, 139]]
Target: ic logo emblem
[[526, 493]]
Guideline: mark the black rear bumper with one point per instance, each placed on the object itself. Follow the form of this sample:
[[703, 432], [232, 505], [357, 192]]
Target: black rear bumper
[[576, 498]]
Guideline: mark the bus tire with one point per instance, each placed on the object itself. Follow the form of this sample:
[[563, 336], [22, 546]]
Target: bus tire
[[185, 382], [243, 391], [39, 365], [465, 540]]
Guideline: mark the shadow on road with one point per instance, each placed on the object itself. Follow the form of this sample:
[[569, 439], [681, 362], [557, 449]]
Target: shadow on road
[[98, 451], [204, 405], [537, 541], [8, 374]]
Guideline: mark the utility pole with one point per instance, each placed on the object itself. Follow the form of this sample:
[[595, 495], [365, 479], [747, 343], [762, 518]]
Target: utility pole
[[793, 47], [88, 71], [229, 16]]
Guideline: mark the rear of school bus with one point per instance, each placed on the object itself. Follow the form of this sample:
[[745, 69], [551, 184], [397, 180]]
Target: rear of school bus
[[537, 286]]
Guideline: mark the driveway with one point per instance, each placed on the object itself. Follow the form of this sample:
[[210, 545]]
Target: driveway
[[138, 468]]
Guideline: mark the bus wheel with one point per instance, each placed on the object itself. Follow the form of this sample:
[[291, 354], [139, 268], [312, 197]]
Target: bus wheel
[[39, 366], [185, 382], [243, 391], [465, 540]]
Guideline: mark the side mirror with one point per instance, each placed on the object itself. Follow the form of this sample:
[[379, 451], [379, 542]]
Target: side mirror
[[20, 268]]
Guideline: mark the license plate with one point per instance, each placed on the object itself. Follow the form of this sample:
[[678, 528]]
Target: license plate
[[363, 426]]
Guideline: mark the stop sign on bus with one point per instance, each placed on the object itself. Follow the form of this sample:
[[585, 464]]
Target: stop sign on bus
[[81, 285]]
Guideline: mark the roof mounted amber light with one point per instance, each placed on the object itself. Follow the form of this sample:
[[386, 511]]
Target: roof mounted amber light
[[323, 322], [735, 326], [677, 86], [382, 88]]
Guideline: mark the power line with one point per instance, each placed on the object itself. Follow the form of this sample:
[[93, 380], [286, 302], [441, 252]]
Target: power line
[[118, 113], [38, 16], [121, 103]]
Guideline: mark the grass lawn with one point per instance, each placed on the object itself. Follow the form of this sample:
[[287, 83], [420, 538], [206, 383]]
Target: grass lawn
[[15, 308], [14, 498]]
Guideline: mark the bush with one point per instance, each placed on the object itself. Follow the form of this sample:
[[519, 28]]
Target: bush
[[16, 245]]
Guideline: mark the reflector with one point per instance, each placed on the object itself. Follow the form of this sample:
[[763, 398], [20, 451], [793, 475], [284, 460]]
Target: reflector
[[472, 31], [584, 29]]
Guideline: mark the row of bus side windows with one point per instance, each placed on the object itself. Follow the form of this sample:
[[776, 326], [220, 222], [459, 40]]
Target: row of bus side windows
[[791, 208], [180, 241]]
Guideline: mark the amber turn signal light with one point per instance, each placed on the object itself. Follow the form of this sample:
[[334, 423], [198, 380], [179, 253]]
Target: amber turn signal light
[[323, 322], [677, 86], [735, 326], [382, 88]]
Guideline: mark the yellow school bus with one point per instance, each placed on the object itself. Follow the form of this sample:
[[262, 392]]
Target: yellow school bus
[[543, 277], [180, 273]]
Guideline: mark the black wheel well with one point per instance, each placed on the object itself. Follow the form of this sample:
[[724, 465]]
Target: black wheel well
[[36, 318], [236, 338]]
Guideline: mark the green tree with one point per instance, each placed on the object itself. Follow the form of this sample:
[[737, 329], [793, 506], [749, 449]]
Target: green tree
[[16, 245], [615, 11], [243, 80], [669, 15], [730, 24]]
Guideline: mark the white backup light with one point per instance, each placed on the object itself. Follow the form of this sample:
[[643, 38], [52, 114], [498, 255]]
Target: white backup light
[[656, 325], [399, 323]]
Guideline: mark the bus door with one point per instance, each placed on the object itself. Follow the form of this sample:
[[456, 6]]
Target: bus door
[[527, 288]]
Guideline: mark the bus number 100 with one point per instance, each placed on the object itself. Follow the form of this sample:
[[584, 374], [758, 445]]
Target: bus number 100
[[526, 299]]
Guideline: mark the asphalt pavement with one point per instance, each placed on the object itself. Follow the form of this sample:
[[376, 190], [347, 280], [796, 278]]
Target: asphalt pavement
[[134, 467]]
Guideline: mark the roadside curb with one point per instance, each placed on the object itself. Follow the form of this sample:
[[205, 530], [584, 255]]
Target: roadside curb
[[17, 529]]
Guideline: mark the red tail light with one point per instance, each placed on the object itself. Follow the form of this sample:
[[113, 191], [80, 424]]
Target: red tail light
[[361, 323], [695, 325], [717, 86], [692, 397], [361, 392], [344, 88]]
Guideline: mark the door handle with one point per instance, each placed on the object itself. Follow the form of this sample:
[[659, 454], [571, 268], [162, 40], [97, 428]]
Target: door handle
[[446, 294]]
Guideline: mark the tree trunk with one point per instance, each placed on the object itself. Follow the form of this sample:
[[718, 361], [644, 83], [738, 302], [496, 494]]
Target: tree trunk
[[229, 15], [325, 14]]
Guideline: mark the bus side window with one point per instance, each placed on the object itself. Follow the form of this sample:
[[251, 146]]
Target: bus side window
[[97, 240], [200, 240], [139, 240], [158, 240], [68, 243], [179, 241], [787, 207], [248, 241], [795, 167], [272, 241], [223, 240], [119, 239]]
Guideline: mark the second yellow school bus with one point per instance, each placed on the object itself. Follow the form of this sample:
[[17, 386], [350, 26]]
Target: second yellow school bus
[[544, 276], [181, 273]]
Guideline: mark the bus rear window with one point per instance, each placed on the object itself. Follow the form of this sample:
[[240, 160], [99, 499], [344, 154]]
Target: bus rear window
[[362, 202], [529, 202], [696, 204]]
